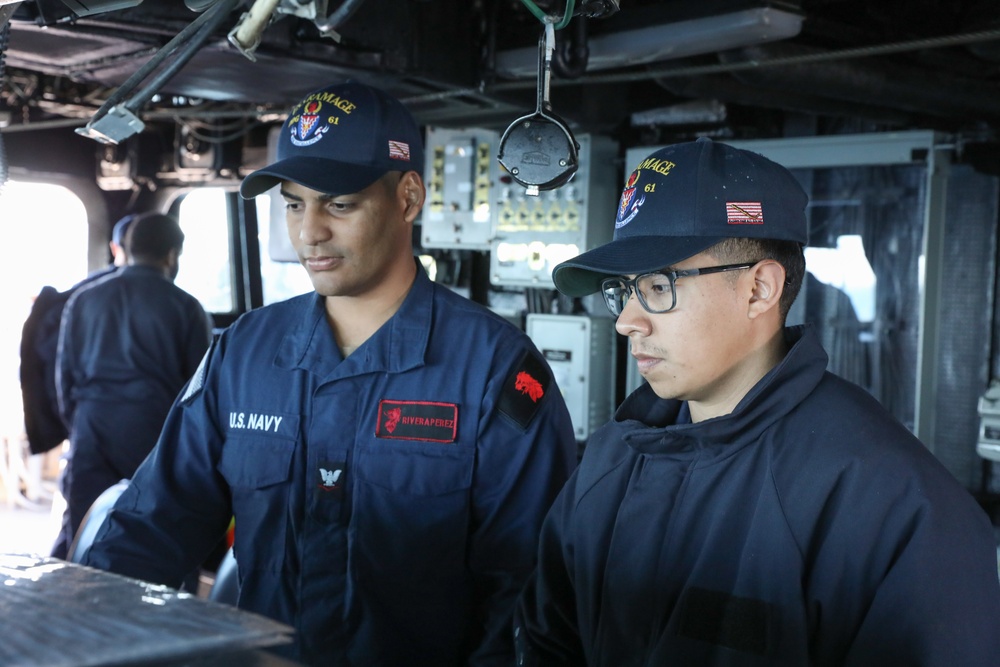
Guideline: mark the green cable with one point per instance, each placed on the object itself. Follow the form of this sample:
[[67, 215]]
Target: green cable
[[567, 15], [541, 16]]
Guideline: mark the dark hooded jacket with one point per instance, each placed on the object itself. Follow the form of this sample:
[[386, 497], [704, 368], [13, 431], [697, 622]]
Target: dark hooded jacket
[[807, 527]]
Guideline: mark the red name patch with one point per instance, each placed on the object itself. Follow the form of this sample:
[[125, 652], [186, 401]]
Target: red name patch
[[417, 420]]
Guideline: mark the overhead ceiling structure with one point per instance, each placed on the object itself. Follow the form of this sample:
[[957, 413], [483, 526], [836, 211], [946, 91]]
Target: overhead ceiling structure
[[655, 69]]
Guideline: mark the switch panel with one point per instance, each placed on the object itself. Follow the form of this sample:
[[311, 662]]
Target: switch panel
[[536, 232], [460, 173]]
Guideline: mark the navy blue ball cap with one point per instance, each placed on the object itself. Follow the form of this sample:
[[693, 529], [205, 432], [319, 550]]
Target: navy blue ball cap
[[120, 229], [339, 140], [683, 199]]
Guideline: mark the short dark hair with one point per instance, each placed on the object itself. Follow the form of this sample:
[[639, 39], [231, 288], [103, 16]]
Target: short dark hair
[[152, 236], [787, 253]]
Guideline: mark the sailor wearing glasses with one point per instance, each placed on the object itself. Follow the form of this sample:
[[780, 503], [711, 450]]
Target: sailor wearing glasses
[[745, 506]]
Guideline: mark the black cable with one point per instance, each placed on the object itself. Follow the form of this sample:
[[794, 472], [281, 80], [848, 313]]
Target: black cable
[[137, 77], [222, 139], [573, 53], [344, 12], [196, 124], [216, 15], [165, 52]]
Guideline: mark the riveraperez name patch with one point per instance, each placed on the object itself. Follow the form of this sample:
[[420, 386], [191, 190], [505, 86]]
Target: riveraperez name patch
[[417, 420]]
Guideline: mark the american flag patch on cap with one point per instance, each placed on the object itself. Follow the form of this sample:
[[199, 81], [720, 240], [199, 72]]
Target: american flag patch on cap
[[399, 150], [744, 213]]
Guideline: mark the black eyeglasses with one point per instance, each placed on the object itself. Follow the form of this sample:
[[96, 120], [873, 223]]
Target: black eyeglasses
[[657, 291]]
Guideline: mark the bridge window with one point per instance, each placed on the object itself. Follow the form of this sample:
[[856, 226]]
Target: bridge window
[[206, 263], [43, 241], [282, 276]]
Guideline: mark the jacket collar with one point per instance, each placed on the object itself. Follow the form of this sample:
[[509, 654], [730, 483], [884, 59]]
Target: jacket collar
[[398, 346], [774, 396], [135, 269]]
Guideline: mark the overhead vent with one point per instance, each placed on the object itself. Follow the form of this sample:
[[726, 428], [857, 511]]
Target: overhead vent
[[667, 41]]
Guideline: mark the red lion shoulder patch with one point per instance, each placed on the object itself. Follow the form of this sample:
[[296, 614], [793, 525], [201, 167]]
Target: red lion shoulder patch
[[524, 390], [526, 384]]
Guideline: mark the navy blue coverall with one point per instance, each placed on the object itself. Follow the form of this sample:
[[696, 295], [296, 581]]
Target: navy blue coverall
[[128, 343], [387, 505], [43, 423]]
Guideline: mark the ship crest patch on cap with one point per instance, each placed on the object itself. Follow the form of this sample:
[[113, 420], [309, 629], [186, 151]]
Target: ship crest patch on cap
[[628, 205], [308, 126]]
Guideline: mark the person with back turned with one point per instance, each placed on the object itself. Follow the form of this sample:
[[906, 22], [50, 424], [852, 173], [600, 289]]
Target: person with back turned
[[43, 426], [128, 343]]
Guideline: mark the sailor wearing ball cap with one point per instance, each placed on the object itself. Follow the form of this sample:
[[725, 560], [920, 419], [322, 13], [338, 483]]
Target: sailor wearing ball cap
[[745, 506]]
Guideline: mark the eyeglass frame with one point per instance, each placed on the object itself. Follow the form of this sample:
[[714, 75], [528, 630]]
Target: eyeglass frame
[[631, 285]]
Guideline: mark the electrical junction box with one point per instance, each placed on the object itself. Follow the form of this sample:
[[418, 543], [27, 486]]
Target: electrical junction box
[[988, 446], [460, 173], [580, 352], [536, 232]]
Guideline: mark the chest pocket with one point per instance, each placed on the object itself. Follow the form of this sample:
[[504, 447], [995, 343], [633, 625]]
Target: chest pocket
[[258, 470], [412, 504], [417, 469]]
